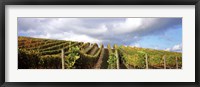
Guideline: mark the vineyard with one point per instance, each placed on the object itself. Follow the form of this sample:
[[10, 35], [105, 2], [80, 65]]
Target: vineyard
[[37, 53]]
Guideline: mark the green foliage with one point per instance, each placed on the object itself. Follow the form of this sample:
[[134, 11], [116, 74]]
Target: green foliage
[[112, 61], [135, 61], [31, 59], [135, 57], [28, 59], [72, 57], [46, 54], [47, 45], [55, 47], [56, 51], [50, 62], [171, 61], [156, 60]]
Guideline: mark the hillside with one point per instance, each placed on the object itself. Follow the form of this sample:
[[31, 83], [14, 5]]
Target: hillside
[[38, 53]]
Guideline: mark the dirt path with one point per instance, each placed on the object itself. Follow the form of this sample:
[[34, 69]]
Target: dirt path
[[100, 60], [104, 64], [121, 64]]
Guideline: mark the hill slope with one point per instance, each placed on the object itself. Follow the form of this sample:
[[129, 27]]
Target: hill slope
[[38, 53]]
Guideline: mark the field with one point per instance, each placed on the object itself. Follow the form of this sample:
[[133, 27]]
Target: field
[[37, 53]]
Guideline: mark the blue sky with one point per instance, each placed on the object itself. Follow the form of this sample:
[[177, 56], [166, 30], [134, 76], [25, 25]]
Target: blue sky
[[155, 33], [171, 38]]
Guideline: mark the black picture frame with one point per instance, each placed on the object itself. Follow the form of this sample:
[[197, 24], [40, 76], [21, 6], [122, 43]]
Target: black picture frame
[[98, 2]]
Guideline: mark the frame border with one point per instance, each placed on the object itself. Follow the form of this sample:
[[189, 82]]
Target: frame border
[[98, 2]]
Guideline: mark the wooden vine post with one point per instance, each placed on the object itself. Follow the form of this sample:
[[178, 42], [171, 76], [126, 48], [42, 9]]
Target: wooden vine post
[[63, 59], [176, 63], [147, 67], [117, 60], [116, 54], [164, 58]]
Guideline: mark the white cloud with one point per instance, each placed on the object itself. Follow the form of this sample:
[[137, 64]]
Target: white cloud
[[156, 48], [100, 30], [135, 45], [129, 25], [81, 38], [176, 48], [167, 49], [70, 36]]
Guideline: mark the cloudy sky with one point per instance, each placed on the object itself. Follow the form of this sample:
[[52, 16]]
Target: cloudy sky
[[155, 33]]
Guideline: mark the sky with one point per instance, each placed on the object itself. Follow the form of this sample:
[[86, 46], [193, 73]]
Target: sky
[[154, 33]]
